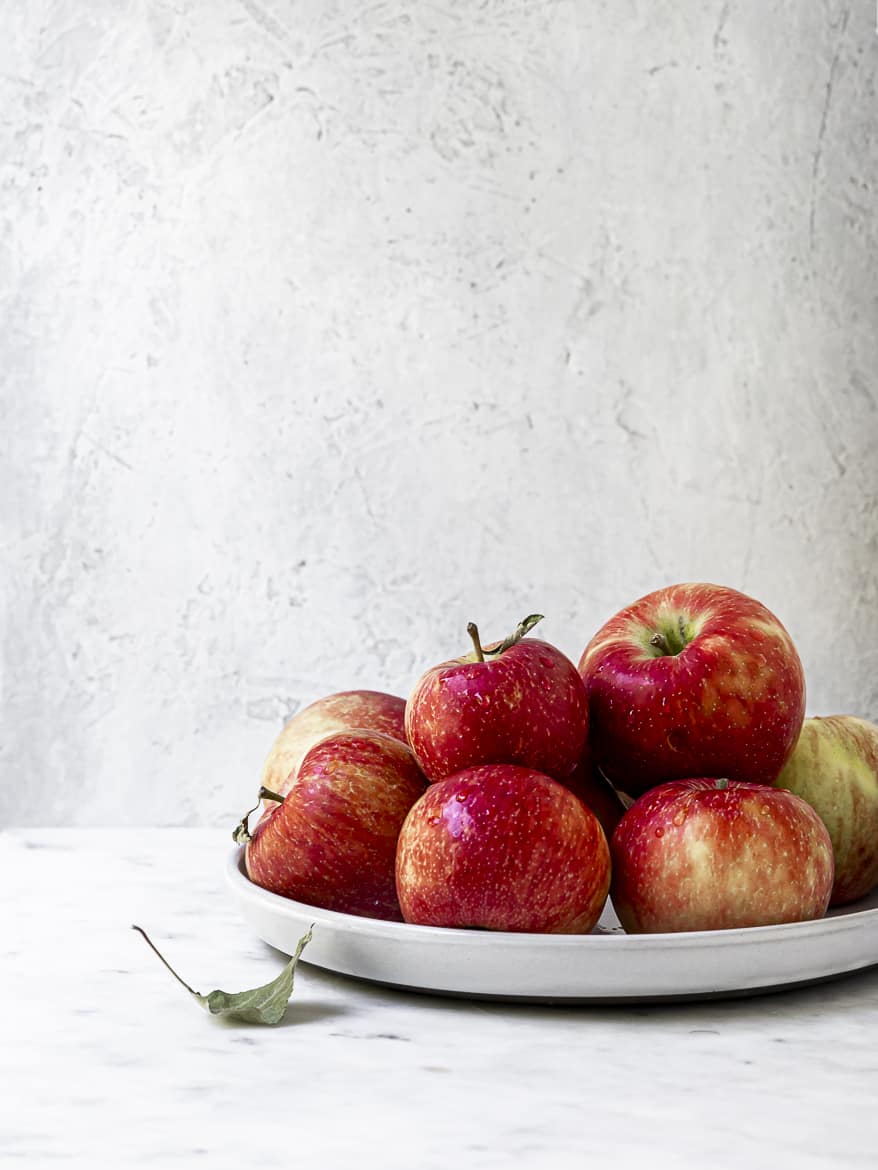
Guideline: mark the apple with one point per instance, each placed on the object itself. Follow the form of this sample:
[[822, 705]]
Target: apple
[[834, 766], [331, 840], [692, 680], [705, 854], [502, 847], [345, 711], [518, 702], [598, 794]]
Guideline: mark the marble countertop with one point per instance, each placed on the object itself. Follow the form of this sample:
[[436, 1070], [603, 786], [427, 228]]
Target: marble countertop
[[106, 1060]]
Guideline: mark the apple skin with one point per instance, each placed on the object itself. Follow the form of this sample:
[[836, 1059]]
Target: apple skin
[[834, 766], [730, 703], [332, 842], [345, 711], [690, 855], [527, 706], [597, 794], [502, 848]]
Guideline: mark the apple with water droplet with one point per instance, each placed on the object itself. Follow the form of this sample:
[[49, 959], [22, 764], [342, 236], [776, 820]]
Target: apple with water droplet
[[707, 854], [517, 702], [344, 711], [692, 680], [834, 766], [500, 847], [331, 840]]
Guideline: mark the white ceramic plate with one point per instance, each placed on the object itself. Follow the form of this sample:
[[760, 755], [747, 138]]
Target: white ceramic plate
[[607, 965]]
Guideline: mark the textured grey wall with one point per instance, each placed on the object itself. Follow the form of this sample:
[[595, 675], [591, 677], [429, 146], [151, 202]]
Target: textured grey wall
[[326, 327]]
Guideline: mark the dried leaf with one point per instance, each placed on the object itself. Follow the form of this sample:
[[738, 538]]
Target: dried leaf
[[521, 630], [262, 1005]]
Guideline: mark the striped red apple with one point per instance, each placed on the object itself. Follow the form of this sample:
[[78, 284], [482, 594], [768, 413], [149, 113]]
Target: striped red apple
[[711, 854], [692, 680], [331, 840], [500, 847], [834, 766], [344, 711], [520, 701]]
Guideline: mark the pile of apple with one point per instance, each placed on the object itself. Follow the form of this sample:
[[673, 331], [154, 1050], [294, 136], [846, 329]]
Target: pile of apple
[[673, 769]]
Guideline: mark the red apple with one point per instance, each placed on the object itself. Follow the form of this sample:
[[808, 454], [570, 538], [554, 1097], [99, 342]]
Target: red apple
[[502, 848], [597, 792], [834, 766], [331, 841], [712, 854], [692, 680], [346, 711], [519, 702]]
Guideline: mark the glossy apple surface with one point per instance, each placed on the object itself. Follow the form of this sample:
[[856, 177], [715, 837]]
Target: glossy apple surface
[[692, 680], [502, 848], [332, 841], [345, 711], [834, 766], [694, 855], [525, 705]]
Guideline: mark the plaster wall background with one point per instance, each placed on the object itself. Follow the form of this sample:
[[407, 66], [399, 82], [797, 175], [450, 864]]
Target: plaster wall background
[[326, 327]]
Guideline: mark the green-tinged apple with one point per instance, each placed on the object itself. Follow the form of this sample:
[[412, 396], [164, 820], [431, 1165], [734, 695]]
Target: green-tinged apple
[[705, 854], [345, 711], [692, 680], [331, 840], [499, 847], [517, 702], [834, 766]]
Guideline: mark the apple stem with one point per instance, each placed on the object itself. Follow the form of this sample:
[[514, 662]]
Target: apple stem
[[473, 630], [241, 835], [672, 639], [519, 632], [721, 785]]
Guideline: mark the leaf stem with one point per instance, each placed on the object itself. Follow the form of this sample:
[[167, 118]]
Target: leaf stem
[[149, 941], [521, 630], [241, 833]]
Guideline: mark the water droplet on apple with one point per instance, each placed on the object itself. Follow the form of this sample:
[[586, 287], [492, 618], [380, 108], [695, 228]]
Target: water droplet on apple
[[461, 796], [660, 832], [433, 820]]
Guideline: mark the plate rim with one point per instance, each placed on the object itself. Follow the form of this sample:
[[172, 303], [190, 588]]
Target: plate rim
[[837, 920]]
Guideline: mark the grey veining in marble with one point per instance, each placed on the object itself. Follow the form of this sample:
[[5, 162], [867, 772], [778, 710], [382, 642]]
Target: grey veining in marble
[[105, 1056], [328, 327]]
